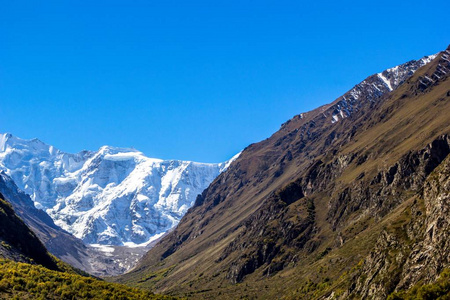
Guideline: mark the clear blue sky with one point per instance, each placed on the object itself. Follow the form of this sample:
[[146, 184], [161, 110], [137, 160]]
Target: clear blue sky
[[194, 80]]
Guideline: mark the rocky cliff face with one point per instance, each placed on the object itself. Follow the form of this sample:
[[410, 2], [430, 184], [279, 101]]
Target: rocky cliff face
[[414, 247], [431, 254], [285, 226], [313, 211]]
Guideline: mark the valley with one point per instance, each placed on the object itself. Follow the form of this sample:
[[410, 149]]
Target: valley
[[348, 201]]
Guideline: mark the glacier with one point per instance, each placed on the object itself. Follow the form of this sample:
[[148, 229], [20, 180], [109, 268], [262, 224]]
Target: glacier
[[113, 196]]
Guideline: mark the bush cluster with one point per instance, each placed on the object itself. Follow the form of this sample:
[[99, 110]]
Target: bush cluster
[[438, 290], [21, 280]]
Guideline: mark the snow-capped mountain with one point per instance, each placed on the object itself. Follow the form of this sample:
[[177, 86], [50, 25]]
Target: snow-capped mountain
[[113, 196]]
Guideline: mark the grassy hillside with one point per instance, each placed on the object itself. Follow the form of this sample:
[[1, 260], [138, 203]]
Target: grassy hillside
[[25, 281], [321, 209]]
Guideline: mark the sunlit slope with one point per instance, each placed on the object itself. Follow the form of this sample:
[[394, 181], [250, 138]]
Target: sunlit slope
[[312, 209]]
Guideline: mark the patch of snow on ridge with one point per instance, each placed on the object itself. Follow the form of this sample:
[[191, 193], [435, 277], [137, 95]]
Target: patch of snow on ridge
[[428, 59], [386, 81], [375, 86], [114, 196]]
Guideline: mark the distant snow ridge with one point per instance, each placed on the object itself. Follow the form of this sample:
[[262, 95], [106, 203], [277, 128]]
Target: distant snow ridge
[[376, 86], [113, 196]]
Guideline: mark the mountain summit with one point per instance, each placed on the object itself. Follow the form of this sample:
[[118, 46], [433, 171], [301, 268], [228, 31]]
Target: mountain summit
[[113, 196]]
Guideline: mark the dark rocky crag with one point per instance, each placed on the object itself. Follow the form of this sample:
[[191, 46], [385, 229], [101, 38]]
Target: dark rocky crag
[[347, 201], [18, 242]]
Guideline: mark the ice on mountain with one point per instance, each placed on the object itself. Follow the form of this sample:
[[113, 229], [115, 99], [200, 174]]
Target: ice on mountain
[[114, 196]]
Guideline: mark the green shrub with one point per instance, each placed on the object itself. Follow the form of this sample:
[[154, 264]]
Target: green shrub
[[22, 280], [438, 290]]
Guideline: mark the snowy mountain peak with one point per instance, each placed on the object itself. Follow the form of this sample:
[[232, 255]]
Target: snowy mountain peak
[[115, 150], [113, 196], [7, 140]]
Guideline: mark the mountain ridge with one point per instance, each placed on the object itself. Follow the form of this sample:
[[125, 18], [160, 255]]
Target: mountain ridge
[[301, 201]]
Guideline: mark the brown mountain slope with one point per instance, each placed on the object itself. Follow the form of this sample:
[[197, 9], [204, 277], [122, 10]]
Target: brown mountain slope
[[18, 242], [304, 212]]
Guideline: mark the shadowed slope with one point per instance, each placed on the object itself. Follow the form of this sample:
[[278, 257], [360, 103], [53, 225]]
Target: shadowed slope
[[18, 242]]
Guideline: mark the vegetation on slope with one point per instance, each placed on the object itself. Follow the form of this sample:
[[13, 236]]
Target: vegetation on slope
[[26, 281], [440, 290]]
